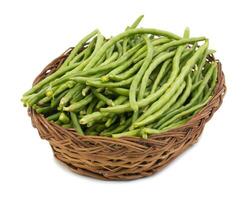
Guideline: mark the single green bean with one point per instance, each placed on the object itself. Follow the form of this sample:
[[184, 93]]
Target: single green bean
[[86, 90], [91, 106], [76, 124], [165, 66], [90, 48], [64, 118], [99, 84], [120, 91], [79, 105], [110, 121], [138, 76], [44, 109], [119, 48], [91, 117], [100, 104], [126, 74], [53, 117], [126, 134], [103, 98]]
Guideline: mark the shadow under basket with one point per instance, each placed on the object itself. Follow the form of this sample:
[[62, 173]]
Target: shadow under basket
[[124, 158]]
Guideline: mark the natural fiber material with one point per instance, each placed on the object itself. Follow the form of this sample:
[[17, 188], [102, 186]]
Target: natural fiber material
[[125, 158]]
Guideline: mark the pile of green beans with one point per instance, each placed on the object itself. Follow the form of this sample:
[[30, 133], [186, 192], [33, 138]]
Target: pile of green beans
[[140, 82]]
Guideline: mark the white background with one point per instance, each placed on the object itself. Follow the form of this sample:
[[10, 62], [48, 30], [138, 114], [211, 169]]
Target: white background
[[32, 33]]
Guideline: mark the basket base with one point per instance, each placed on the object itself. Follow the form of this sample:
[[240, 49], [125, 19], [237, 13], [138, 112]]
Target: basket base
[[123, 177]]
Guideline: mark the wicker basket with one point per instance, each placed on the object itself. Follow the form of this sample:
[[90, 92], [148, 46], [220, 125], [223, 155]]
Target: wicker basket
[[125, 158]]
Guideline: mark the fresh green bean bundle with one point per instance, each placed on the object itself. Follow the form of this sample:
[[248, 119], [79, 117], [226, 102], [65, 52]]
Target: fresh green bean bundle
[[143, 81]]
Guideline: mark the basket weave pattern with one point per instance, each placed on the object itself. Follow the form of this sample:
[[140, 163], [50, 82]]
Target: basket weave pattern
[[125, 158]]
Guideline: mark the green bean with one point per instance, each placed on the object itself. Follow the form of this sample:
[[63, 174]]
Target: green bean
[[133, 26], [44, 100], [108, 84], [86, 90], [128, 33], [138, 55], [158, 114], [126, 134], [174, 43], [112, 65], [184, 71], [137, 78], [179, 102], [120, 100], [82, 112], [91, 117], [116, 130], [126, 107], [64, 118], [185, 94], [164, 99], [56, 100], [136, 22], [201, 64], [67, 125], [44, 109], [53, 117], [111, 59], [158, 60], [100, 104], [70, 94], [63, 87], [76, 97], [127, 74], [98, 45], [152, 131], [103, 98], [164, 67], [36, 97], [190, 110], [83, 80], [194, 98], [195, 85], [120, 91], [117, 70], [122, 120], [110, 51], [119, 48], [77, 59], [213, 82], [90, 48], [91, 106], [76, 124], [79, 105], [110, 121]]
